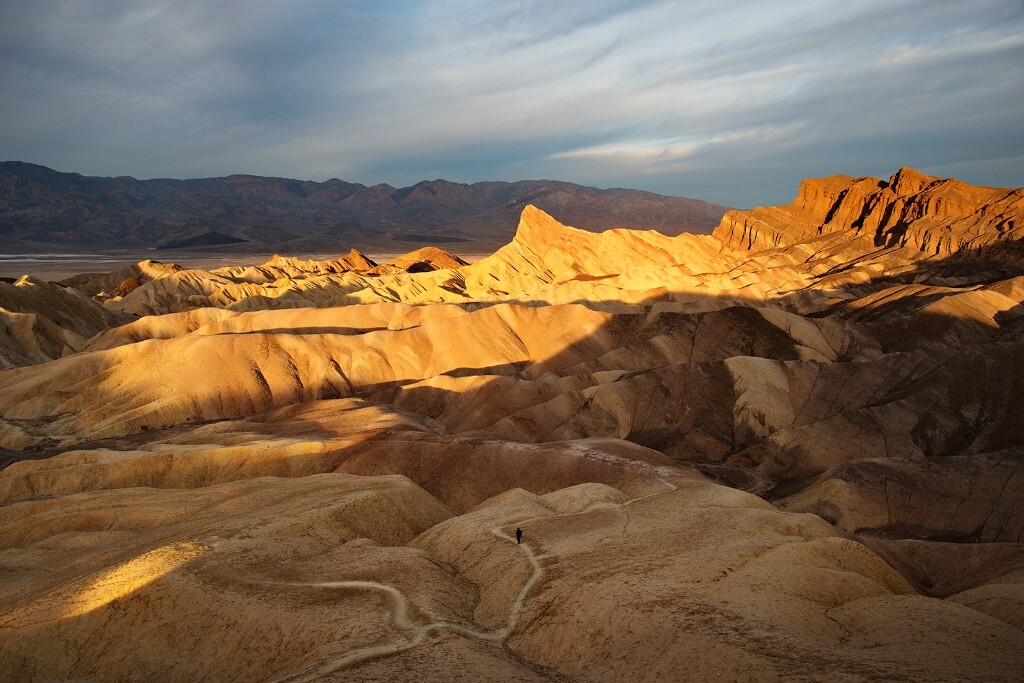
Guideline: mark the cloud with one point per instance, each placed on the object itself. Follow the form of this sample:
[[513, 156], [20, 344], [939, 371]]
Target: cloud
[[733, 105]]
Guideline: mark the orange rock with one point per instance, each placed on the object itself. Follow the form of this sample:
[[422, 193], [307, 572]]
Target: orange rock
[[932, 215]]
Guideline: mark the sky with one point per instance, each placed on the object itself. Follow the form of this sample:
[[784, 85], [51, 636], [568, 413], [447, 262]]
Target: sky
[[730, 102]]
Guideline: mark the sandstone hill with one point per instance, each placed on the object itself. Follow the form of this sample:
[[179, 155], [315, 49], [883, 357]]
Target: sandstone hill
[[789, 450], [41, 321]]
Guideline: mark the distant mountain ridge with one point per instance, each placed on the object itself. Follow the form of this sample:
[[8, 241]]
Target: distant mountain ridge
[[792, 447], [40, 206]]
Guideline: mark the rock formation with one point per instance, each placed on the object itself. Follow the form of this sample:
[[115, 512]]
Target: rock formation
[[121, 282], [41, 321], [940, 216], [790, 450]]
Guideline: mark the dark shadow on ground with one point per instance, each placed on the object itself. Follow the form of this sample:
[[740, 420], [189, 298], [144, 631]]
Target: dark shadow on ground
[[917, 414]]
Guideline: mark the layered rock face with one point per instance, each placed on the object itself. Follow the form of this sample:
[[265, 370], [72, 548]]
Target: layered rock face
[[939, 216], [41, 321], [787, 451]]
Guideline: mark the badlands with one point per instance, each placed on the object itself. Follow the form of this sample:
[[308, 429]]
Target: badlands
[[789, 450]]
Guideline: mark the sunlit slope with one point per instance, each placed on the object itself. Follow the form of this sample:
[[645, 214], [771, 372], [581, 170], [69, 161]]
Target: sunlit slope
[[934, 216], [256, 361], [321, 576], [40, 321], [787, 451]]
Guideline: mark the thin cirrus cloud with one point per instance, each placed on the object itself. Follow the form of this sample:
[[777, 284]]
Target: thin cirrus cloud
[[733, 105]]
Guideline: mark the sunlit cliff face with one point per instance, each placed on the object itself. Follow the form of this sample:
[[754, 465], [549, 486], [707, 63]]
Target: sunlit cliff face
[[788, 450]]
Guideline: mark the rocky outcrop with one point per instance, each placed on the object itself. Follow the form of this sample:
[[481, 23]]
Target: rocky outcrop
[[933, 216], [41, 321], [789, 451], [123, 281], [421, 261], [292, 267], [547, 262], [545, 252]]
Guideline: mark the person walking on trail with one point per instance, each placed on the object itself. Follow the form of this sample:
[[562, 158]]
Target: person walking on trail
[[519, 535]]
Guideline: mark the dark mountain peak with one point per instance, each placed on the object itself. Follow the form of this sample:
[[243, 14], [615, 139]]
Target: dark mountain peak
[[41, 206], [437, 192]]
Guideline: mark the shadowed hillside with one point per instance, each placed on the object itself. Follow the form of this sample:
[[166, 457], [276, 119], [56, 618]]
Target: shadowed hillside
[[42, 208], [789, 450]]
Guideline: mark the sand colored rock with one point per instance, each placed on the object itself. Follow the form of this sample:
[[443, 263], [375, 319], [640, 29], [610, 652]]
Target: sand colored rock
[[157, 327], [787, 451], [421, 261], [109, 607], [108, 284], [821, 599], [336, 559], [283, 267], [41, 321]]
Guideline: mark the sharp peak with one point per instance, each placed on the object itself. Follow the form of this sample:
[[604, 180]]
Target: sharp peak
[[536, 224], [531, 212]]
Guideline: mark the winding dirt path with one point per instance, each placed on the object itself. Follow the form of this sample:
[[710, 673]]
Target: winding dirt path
[[418, 633], [516, 609], [400, 619]]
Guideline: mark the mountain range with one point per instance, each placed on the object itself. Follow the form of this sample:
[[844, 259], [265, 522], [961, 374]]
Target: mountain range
[[790, 450], [41, 209]]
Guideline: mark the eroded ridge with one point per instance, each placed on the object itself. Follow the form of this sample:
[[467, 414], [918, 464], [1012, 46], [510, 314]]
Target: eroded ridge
[[307, 469], [417, 635]]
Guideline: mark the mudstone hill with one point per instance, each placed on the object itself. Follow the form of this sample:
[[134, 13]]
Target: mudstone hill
[[788, 450]]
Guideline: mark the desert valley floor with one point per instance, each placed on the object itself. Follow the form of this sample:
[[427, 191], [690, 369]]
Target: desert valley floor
[[790, 450]]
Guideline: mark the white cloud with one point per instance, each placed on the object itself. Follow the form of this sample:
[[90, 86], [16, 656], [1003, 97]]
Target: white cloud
[[680, 97]]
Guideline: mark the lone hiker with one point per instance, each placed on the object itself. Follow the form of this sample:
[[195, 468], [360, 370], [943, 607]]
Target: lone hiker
[[519, 535]]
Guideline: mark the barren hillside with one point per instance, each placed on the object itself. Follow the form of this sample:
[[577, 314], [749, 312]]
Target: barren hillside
[[789, 450], [41, 208]]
